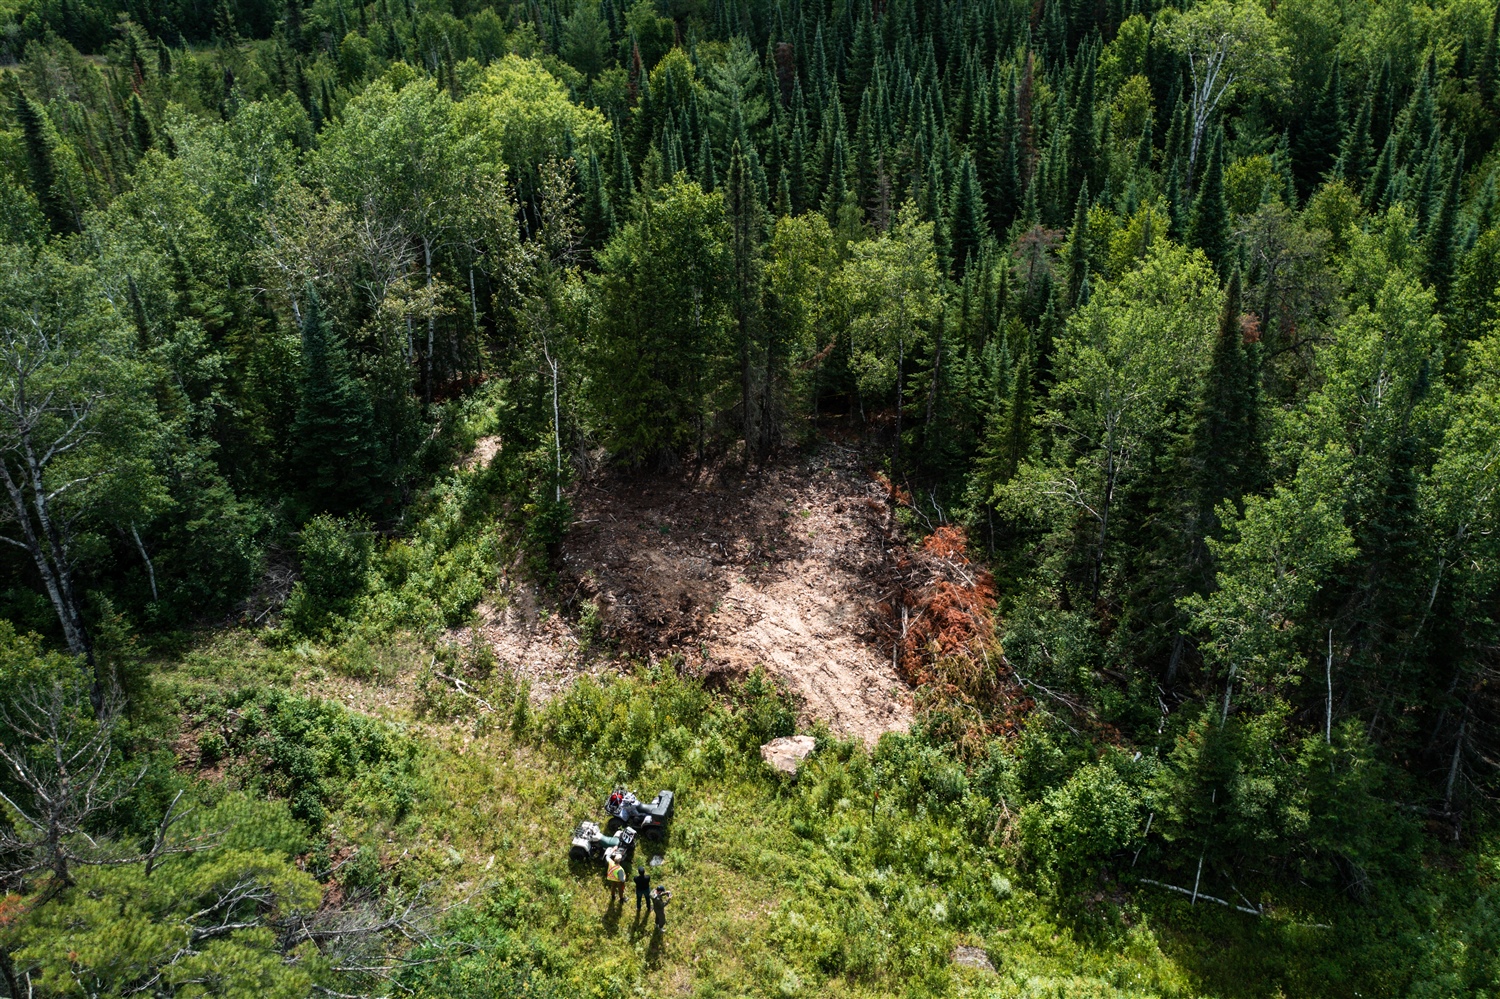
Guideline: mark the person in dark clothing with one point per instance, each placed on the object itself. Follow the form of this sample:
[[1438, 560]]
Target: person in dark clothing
[[642, 891], [659, 899]]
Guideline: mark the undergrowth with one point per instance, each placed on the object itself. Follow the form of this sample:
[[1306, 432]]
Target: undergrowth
[[858, 878]]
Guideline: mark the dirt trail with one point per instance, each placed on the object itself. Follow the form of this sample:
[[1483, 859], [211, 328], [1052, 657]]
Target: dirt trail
[[731, 571]]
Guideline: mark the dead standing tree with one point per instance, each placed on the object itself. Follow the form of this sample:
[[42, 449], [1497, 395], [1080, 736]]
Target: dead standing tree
[[62, 762], [63, 776]]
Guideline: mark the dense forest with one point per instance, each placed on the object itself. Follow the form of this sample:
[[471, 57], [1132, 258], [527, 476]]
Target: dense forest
[[1186, 318]]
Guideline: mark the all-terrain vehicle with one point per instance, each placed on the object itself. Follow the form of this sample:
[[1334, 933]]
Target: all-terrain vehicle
[[591, 843], [648, 818]]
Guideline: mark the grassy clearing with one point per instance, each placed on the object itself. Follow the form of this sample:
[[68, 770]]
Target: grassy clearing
[[781, 888]]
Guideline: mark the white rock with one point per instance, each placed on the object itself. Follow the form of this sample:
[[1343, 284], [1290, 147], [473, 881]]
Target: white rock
[[972, 957], [785, 753]]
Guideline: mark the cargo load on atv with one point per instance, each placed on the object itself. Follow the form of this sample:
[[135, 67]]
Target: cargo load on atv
[[591, 843], [647, 818]]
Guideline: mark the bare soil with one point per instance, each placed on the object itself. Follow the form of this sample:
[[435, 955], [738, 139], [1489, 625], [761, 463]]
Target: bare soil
[[780, 568]]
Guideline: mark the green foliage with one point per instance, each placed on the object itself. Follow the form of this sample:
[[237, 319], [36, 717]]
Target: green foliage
[[1249, 532], [122, 924], [317, 757], [335, 453], [1075, 830], [660, 346], [334, 556]]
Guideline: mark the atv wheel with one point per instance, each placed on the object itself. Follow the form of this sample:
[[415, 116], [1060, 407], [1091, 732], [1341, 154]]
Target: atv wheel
[[612, 826], [654, 833]]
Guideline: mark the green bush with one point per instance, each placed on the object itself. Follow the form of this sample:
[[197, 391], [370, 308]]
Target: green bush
[[1069, 836], [334, 556], [315, 755]]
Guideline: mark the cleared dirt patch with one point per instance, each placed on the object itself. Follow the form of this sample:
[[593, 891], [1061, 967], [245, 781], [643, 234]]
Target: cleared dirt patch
[[780, 569]]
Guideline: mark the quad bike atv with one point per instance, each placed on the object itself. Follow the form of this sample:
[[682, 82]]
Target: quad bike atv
[[589, 843], [648, 818]]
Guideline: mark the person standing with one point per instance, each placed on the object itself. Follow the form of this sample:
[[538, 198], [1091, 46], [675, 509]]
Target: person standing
[[642, 891], [614, 880], [659, 899]]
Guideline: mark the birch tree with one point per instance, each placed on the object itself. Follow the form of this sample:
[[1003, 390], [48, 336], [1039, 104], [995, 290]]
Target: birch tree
[[893, 294], [402, 157], [1227, 43], [73, 419], [1128, 361]]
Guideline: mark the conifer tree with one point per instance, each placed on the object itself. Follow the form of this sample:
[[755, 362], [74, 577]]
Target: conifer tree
[[1143, 146], [1320, 134], [1048, 328], [970, 229], [39, 137], [1421, 123], [743, 207], [1209, 227], [838, 184], [142, 135], [1078, 250], [1357, 154], [596, 212], [1224, 440], [1006, 439], [861, 64], [706, 176], [335, 451], [784, 202], [1442, 235], [1083, 159], [1487, 72], [1427, 184], [1377, 191]]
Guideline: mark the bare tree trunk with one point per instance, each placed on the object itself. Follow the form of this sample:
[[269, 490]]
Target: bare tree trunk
[[556, 421], [768, 430], [1109, 493], [50, 555], [1328, 715], [431, 324], [747, 420], [900, 406], [150, 569], [1458, 749], [478, 345]]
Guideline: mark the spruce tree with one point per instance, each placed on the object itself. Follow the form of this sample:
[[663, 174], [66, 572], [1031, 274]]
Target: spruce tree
[[970, 229], [1320, 134], [142, 135], [1083, 159], [1078, 249], [1224, 443], [1441, 236], [596, 213], [1357, 155], [1007, 437], [335, 451], [1383, 110], [1376, 191], [1487, 72], [38, 136], [706, 177], [1209, 226]]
